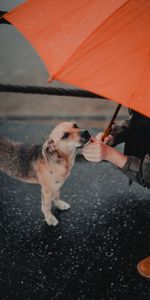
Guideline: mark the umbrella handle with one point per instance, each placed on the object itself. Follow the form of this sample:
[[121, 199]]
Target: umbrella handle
[[109, 127]]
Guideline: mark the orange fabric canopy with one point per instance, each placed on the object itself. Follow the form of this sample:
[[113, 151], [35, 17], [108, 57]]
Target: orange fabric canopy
[[100, 45]]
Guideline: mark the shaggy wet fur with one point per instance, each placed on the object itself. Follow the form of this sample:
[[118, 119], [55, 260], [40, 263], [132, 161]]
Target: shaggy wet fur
[[48, 165]]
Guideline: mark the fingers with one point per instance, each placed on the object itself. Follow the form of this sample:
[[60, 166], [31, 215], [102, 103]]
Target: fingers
[[92, 139], [98, 137], [97, 150], [108, 139], [92, 152], [91, 157], [91, 147]]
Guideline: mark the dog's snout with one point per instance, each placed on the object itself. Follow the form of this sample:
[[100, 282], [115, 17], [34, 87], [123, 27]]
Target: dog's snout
[[85, 134]]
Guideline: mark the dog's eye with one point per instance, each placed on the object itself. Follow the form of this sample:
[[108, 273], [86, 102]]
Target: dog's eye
[[75, 126], [66, 135]]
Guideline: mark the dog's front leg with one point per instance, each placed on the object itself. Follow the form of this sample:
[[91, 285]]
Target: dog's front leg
[[60, 203], [46, 208]]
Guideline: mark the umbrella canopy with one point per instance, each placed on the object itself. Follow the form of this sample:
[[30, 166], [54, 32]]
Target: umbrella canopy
[[100, 45]]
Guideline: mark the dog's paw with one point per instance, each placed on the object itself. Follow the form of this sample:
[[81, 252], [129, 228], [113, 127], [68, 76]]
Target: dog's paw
[[51, 220], [62, 205]]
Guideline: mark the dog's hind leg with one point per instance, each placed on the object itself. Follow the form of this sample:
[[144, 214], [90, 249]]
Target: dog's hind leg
[[60, 203], [46, 208]]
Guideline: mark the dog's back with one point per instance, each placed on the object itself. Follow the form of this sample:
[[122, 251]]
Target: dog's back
[[7, 154], [17, 159]]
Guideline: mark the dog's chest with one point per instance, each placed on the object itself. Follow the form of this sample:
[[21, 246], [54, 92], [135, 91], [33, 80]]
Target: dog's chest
[[59, 172]]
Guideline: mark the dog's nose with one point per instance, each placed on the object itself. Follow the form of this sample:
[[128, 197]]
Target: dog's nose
[[85, 134]]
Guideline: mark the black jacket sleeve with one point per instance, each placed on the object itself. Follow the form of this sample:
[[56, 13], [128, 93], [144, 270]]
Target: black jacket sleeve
[[119, 133], [138, 170]]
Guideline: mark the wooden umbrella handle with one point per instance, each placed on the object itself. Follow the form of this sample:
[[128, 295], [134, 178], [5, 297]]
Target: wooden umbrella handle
[[108, 129]]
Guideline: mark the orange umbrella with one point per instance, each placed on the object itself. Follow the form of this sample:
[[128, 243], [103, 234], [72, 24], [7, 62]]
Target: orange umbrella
[[100, 45]]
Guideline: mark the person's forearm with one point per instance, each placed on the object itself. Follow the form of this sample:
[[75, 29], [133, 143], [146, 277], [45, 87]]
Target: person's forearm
[[115, 157], [97, 151]]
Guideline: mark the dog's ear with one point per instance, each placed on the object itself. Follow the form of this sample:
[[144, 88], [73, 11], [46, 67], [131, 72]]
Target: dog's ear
[[48, 149]]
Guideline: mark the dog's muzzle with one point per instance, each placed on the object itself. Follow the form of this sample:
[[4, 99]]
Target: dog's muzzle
[[85, 136]]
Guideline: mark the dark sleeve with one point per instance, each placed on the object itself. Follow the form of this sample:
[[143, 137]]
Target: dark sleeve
[[138, 170], [119, 133]]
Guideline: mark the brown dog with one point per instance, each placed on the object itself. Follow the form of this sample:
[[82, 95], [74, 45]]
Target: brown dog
[[48, 165]]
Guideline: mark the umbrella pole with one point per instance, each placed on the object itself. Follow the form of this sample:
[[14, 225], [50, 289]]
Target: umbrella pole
[[108, 129]]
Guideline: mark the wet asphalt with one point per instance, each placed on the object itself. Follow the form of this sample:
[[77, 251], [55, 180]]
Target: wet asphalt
[[92, 253]]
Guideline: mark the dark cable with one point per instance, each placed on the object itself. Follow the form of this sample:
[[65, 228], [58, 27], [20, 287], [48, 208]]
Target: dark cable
[[47, 91]]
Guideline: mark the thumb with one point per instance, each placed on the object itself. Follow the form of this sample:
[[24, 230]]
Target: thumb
[[99, 136], [108, 139]]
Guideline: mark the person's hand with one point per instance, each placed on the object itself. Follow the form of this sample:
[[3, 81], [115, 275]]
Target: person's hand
[[109, 140], [96, 150]]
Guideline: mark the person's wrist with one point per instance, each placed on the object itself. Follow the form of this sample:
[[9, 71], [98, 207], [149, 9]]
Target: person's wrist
[[114, 156], [105, 151]]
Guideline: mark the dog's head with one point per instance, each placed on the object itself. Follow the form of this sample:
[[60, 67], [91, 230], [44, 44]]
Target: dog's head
[[66, 137]]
